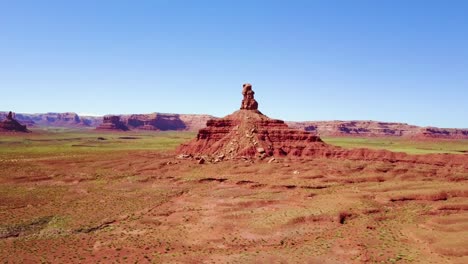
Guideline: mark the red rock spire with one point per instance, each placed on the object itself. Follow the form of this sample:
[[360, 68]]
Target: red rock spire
[[248, 103]]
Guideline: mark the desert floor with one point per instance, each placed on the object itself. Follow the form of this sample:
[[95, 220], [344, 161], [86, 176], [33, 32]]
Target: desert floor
[[87, 197]]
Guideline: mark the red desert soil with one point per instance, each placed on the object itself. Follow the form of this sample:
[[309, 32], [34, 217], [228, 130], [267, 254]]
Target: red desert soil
[[149, 207]]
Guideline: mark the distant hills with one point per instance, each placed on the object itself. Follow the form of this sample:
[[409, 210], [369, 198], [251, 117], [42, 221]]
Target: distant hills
[[188, 122], [378, 129], [153, 121]]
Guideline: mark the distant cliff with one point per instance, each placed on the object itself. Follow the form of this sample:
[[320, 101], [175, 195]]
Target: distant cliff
[[187, 122], [71, 120], [378, 129], [153, 121]]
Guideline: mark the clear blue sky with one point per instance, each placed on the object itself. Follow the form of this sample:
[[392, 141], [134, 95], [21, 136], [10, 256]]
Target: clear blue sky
[[402, 61]]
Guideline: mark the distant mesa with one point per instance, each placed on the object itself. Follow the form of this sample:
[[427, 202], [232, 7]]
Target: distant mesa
[[65, 120], [441, 133], [378, 129], [248, 132], [10, 124], [356, 128], [112, 122], [155, 121], [68, 120], [190, 122]]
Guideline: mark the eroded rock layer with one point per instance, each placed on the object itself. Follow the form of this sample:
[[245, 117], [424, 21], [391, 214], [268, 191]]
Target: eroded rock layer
[[165, 122], [112, 123], [378, 129], [250, 133]]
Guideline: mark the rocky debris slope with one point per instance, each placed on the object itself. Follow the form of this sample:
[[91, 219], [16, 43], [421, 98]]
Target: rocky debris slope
[[378, 129], [10, 124], [112, 123], [250, 133]]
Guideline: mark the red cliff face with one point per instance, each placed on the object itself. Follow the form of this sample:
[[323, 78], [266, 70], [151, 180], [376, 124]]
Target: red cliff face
[[11, 125], [112, 123], [165, 122], [68, 120], [378, 129], [441, 133]]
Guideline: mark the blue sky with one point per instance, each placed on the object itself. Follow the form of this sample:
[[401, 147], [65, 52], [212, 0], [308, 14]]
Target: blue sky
[[402, 61]]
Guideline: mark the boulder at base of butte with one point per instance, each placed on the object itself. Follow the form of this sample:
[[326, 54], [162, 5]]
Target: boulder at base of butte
[[248, 132], [11, 125]]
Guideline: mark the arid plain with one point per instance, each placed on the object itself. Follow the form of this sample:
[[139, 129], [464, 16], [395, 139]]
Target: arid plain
[[99, 197]]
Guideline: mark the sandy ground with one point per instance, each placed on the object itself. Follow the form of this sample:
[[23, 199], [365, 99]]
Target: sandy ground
[[150, 207]]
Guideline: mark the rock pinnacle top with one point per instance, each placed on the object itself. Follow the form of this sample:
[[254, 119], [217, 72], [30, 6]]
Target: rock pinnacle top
[[249, 102]]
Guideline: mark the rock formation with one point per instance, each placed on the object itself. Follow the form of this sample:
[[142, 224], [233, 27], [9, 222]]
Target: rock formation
[[248, 103], [248, 132], [165, 122], [378, 129], [10, 124], [356, 128], [187, 122], [69, 120], [155, 121], [440, 133], [112, 123]]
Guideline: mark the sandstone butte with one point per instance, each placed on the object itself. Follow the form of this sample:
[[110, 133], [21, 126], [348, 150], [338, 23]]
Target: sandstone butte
[[10, 124], [112, 123], [249, 133]]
